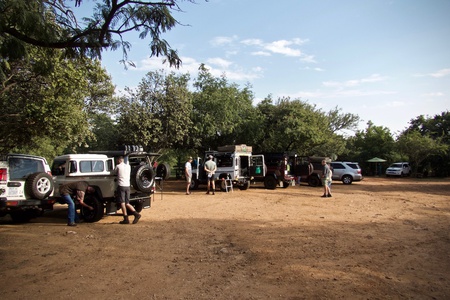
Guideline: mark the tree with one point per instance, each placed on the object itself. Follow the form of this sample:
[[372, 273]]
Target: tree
[[219, 110], [157, 114], [419, 147], [54, 25], [49, 107]]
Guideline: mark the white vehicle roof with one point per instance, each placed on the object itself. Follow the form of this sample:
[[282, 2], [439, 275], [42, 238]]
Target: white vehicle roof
[[81, 156]]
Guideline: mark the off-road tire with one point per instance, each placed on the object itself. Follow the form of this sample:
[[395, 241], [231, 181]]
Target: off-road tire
[[194, 183], [314, 181], [143, 178], [270, 182], [163, 171], [245, 185], [39, 185], [92, 215]]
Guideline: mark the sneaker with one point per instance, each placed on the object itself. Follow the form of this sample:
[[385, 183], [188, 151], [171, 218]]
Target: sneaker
[[329, 195], [207, 193], [124, 222], [71, 224], [323, 196], [136, 218]]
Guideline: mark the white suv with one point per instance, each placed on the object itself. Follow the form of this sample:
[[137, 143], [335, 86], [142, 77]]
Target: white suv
[[399, 169], [97, 169], [347, 172], [25, 184]]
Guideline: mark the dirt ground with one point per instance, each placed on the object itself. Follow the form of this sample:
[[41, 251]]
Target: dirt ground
[[381, 238]]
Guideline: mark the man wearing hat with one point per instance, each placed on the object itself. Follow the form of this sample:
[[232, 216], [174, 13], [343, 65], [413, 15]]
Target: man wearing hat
[[188, 174], [210, 169]]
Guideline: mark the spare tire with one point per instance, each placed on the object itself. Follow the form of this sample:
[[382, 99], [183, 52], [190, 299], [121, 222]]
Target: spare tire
[[163, 171], [39, 185], [143, 178]]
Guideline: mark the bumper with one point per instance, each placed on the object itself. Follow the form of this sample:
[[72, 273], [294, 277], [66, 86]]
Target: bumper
[[25, 204]]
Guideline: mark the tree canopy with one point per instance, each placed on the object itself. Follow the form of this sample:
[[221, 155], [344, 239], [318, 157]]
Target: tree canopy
[[54, 24]]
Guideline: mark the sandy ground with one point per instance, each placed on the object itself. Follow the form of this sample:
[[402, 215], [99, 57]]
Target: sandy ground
[[381, 238]]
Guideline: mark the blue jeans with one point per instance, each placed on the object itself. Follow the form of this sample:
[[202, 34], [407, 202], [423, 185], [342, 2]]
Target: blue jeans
[[71, 213]]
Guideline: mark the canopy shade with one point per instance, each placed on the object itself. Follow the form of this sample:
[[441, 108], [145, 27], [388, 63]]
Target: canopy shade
[[376, 160]]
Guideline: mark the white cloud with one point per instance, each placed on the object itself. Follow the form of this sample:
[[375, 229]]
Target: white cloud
[[354, 82], [261, 53], [220, 62], [283, 47], [223, 40], [436, 94], [437, 74], [440, 73]]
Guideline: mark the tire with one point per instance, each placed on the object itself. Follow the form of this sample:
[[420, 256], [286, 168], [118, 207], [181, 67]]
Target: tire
[[143, 178], [163, 171], [245, 186], [39, 185], [223, 185], [194, 183], [138, 206], [313, 181], [270, 182], [285, 184], [92, 215], [347, 179]]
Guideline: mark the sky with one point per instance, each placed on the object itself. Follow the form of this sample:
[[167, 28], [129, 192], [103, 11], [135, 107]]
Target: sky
[[387, 61]]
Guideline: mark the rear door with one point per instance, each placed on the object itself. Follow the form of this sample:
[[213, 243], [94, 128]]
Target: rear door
[[257, 166]]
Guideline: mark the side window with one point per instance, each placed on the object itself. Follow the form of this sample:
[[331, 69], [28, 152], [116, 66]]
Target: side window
[[92, 166], [73, 166], [337, 166], [109, 166], [58, 168], [353, 166]]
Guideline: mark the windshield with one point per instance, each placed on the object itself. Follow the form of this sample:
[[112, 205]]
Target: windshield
[[396, 166]]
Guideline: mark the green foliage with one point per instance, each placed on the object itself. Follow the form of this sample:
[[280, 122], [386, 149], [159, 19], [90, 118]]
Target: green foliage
[[53, 25], [157, 114], [419, 147], [219, 110], [42, 104]]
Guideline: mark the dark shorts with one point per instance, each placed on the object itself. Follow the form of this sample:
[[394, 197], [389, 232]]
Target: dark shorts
[[211, 177], [124, 194]]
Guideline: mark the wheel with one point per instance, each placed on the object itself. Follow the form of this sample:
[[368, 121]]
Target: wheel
[[347, 179], [223, 185], [270, 182], [314, 181], [39, 185], [194, 183], [138, 206], [286, 184], [143, 178], [245, 185], [92, 215], [163, 171]]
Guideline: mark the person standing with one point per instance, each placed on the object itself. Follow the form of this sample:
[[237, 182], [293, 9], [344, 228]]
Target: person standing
[[330, 180], [325, 179], [210, 168], [78, 189], [188, 174], [123, 172]]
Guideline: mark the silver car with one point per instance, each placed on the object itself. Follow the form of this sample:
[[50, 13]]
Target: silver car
[[347, 172]]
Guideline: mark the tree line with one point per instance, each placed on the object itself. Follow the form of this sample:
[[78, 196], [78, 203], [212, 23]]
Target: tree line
[[56, 98]]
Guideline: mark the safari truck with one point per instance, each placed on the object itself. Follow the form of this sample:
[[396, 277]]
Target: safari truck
[[234, 162], [278, 167], [98, 170]]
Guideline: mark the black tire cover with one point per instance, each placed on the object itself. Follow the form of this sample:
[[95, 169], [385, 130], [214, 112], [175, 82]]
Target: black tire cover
[[143, 178]]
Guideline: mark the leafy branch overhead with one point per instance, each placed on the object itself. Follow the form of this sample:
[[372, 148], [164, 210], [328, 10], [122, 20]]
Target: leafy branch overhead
[[53, 24]]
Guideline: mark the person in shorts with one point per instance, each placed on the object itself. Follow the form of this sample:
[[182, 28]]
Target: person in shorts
[[326, 179], [123, 172], [188, 174], [210, 169]]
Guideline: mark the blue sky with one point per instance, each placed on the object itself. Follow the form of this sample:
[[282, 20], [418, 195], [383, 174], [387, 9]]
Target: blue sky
[[387, 61]]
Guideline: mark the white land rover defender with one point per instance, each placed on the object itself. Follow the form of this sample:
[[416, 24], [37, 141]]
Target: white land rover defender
[[97, 169]]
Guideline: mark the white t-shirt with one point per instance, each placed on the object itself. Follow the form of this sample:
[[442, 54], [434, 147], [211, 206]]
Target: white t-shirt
[[123, 172]]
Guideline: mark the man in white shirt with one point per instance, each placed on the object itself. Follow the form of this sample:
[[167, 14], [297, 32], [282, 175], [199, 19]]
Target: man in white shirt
[[123, 172]]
